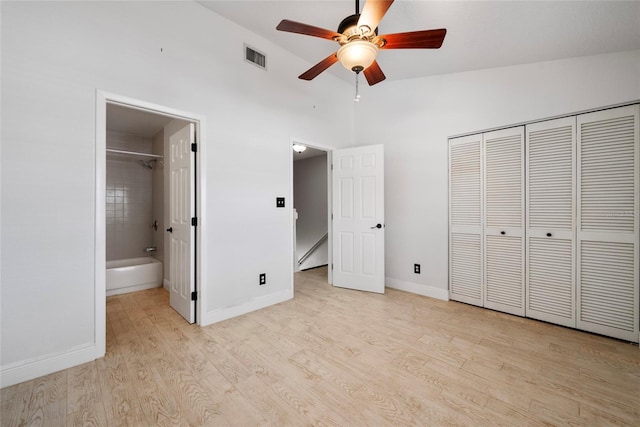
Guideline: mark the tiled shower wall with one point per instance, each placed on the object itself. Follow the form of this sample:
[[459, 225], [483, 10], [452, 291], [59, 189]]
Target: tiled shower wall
[[129, 198]]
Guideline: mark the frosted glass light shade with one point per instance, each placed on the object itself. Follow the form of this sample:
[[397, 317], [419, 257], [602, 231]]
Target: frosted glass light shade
[[299, 148], [357, 55]]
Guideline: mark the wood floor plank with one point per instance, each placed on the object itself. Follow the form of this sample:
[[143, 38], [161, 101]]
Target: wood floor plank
[[84, 395], [267, 402], [334, 356], [88, 416], [118, 392], [191, 395]]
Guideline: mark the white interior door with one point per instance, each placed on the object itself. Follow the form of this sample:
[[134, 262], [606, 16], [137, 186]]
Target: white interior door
[[504, 220], [608, 217], [550, 283], [358, 218], [182, 232], [465, 219]]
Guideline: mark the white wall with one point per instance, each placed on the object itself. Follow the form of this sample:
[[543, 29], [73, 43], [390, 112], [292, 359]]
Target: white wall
[[177, 54], [310, 200], [420, 114]]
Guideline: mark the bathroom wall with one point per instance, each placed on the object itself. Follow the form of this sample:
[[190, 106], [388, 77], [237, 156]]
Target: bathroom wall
[[129, 198]]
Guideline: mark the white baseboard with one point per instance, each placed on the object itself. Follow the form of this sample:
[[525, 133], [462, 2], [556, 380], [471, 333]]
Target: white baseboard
[[415, 288], [265, 301], [26, 370], [165, 284]]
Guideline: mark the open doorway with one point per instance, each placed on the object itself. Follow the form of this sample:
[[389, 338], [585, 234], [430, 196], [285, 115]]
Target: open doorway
[[312, 207], [147, 177], [355, 217], [137, 199], [310, 203]]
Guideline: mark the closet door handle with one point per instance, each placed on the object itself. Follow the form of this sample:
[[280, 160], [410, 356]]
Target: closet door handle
[[503, 233], [548, 234], [170, 229]]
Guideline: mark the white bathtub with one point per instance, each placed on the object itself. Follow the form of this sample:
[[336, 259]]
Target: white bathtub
[[135, 274]]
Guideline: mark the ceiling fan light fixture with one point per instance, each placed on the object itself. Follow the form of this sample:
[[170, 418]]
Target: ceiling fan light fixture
[[357, 55], [299, 148]]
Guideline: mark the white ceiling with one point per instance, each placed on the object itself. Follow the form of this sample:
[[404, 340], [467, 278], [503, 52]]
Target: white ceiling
[[480, 34]]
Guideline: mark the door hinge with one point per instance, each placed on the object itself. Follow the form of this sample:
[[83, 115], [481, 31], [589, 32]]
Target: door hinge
[[331, 216], [194, 296], [332, 266], [194, 221], [194, 147], [331, 166]]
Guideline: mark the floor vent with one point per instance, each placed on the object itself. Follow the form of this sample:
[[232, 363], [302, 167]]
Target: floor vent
[[255, 57]]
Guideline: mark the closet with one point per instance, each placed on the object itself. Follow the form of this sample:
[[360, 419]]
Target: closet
[[543, 221]]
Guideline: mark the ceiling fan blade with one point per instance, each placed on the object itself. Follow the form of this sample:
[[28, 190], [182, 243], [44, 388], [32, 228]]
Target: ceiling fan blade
[[373, 12], [307, 30], [426, 39], [374, 73], [313, 72]]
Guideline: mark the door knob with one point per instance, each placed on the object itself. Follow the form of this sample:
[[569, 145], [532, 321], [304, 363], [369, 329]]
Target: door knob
[[170, 229], [377, 226]]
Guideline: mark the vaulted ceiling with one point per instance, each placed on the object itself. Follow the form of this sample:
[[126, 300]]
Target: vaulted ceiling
[[481, 34]]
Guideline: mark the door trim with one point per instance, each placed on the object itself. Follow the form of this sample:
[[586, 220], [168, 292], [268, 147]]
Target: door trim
[[102, 99], [329, 150]]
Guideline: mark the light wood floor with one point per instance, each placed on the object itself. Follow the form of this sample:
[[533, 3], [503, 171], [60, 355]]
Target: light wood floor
[[337, 357]]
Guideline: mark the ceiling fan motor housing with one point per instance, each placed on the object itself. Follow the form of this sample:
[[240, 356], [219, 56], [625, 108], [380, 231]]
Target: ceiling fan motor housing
[[349, 28]]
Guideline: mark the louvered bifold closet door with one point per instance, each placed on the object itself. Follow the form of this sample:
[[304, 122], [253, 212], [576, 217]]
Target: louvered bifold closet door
[[550, 163], [465, 219], [504, 220], [607, 238]]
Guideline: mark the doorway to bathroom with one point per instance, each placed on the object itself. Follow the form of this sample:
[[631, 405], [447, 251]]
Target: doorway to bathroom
[[146, 203]]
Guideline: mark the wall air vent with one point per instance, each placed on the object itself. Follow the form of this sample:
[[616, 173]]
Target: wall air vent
[[255, 57]]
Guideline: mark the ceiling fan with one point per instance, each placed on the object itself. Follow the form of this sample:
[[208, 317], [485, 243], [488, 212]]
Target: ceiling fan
[[359, 41]]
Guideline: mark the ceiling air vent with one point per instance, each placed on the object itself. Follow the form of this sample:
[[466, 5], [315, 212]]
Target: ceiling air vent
[[256, 58]]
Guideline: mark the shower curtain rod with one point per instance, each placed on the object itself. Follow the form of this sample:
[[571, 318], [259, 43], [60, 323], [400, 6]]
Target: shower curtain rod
[[133, 153]]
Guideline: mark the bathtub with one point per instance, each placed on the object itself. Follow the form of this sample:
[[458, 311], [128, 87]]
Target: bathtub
[[135, 274]]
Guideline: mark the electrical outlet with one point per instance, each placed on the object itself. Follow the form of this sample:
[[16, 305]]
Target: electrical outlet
[[263, 279], [279, 202], [416, 268]]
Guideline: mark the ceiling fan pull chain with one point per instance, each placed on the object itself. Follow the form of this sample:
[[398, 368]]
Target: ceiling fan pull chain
[[357, 97]]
